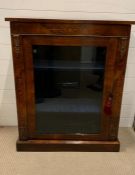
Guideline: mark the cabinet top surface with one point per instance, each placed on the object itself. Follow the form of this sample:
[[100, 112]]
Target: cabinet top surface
[[69, 21]]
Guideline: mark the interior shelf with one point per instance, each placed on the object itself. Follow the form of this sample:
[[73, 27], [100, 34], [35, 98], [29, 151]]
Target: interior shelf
[[67, 65], [66, 105]]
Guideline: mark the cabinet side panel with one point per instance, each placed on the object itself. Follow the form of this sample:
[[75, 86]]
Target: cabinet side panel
[[19, 75], [118, 83]]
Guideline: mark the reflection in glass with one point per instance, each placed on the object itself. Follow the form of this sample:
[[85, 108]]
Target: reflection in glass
[[68, 88]]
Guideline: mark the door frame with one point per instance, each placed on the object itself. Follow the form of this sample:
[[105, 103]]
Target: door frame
[[110, 43]]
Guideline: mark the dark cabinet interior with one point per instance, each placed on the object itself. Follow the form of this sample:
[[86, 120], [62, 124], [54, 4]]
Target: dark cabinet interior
[[68, 84], [69, 79]]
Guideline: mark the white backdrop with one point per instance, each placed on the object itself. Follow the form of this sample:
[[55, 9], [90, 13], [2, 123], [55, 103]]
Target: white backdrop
[[62, 9]]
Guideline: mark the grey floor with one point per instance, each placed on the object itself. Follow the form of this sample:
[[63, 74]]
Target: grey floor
[[66, 163]]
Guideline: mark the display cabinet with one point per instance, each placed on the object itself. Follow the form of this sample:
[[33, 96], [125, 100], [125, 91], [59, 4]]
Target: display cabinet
[[69, 77]]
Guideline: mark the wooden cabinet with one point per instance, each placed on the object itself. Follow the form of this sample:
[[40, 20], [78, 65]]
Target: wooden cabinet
[[69, 79]]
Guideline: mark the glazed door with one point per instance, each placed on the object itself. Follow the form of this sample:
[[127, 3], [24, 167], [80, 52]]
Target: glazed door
[[69, 86]]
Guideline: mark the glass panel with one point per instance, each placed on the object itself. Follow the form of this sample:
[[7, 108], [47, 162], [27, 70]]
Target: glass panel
[[68, 88]]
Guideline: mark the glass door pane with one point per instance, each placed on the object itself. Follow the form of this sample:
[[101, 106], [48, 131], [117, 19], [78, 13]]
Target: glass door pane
[[68, 88]]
